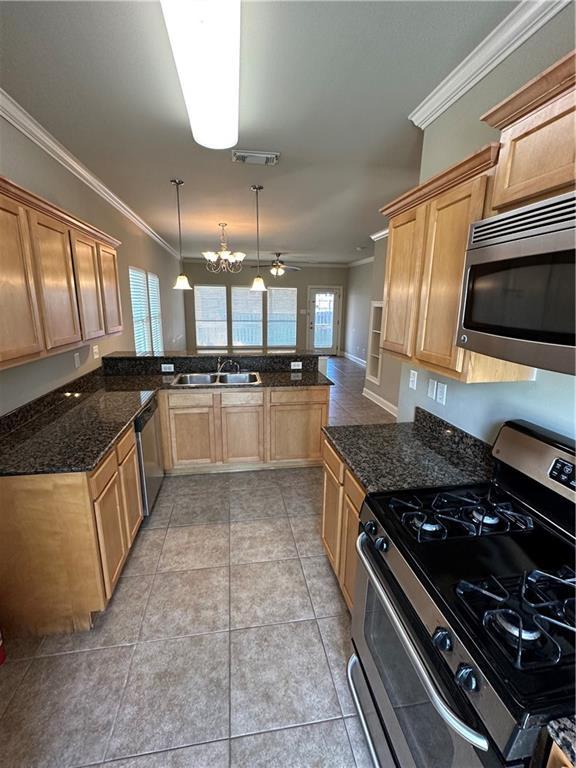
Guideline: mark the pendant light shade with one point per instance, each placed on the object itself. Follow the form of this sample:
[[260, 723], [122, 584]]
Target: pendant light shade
[[258, 282], [181, 283]]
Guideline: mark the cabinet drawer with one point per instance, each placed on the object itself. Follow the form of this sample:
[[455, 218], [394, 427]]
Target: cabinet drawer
[[332, 460], [242, 398], [304, 395], [354, 490], [101, 476], [190, 399], [125, 443]]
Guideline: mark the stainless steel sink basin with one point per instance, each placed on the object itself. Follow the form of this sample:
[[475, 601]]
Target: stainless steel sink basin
[[216, 379]]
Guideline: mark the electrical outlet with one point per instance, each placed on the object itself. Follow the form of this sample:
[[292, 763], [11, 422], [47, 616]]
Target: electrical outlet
[[296, 366], [441, 393], [95, 351], [413, 379], [432, 388], [76, 359], [167, 367]]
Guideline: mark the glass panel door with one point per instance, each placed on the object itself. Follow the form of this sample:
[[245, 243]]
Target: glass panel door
[[324, 325]]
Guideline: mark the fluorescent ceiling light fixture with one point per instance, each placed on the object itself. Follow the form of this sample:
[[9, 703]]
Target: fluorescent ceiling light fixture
[[205, 40]]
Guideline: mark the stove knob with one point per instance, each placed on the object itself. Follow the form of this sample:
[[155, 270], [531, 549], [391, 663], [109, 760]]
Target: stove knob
[[370, 527], [382, 544], [467, 679], [442, 639]]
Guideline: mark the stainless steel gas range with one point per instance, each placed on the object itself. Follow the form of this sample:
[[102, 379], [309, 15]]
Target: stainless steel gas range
[[463, 624]]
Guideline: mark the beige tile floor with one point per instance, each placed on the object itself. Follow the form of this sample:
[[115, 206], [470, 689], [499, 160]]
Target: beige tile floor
[[225, 643], [347, 404]]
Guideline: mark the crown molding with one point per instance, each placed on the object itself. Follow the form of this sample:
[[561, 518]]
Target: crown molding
[[360, 262], [379, 235], [526, 19], [13, 113]]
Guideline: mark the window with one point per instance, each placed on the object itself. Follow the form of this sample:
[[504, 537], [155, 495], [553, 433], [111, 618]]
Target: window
[[146, 311], [246, 318], [211, 315], [282, 314]]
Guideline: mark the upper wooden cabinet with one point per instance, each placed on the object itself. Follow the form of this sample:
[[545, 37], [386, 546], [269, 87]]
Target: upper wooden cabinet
[[89, 288], [56, 282], [447, 235], [407, 233], [110, 288], [538, 139], [20, 330]]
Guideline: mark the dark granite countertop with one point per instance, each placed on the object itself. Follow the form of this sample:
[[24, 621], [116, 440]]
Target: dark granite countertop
[[212, 352], [427, 453], [563, 731], [268, 379]]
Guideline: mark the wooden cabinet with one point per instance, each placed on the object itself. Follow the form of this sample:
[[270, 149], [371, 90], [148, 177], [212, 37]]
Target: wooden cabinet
[[343, 498], [557, 758], [20, 330], [131, 496], [56, 283], [538, 140], [88, 285], [447, 235], [243, 434], [193, 436], [296, 431], [407, 233], [110, 524], [110, 280]]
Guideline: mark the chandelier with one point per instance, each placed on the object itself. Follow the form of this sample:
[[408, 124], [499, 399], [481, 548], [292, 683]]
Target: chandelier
[[224, 260]]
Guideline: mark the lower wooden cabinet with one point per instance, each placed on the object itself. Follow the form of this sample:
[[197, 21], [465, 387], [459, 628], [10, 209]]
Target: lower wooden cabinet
[[192, 436], [131, 495], [343, 497], [110, 524], [243, 434], [557, 758], [296, 431]]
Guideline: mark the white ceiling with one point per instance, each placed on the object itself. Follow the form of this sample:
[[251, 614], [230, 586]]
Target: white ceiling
[[327, 84]]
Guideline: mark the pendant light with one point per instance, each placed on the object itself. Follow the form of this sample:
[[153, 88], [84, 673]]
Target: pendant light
[[181, 283], [258, 282]]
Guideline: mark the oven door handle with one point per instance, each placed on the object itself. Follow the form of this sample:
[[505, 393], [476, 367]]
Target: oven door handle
[[451, 719], [353, 662]]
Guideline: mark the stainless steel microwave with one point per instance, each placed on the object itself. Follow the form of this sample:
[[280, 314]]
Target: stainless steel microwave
[[517, 299]]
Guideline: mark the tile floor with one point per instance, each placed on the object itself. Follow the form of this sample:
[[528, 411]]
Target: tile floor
[[225, 643], [347, 404]]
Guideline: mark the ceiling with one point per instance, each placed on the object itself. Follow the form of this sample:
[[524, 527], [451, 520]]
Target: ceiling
[[327, 84]]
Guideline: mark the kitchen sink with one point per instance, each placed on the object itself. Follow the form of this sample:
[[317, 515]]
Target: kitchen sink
[[216, 379]]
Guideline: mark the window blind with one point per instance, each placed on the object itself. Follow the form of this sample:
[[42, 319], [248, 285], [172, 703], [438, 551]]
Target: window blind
[[155, 312], [211, 315], [282, 316], [246, 317], [140, 310]]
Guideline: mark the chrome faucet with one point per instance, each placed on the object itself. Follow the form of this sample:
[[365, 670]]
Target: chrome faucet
[[228, 361]]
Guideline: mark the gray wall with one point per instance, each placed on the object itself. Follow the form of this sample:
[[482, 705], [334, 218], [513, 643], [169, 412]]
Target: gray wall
[[308, 276], [481, 408], [26, 164], [391, 368], [358, 310]]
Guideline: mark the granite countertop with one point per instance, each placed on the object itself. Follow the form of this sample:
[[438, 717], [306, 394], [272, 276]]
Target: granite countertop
[[424, 454], [212, 352], [563, 731], [268, 379]]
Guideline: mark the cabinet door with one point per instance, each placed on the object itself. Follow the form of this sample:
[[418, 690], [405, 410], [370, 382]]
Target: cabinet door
[[402, 280], [88, 285], [538, 154], [557, 758], [348, 554], [243, 434], [192, 436], [131, 497], [296, 431], [109, 514], [332, 518], [20, 331], [56, 284], [110, 288], [447, 236]]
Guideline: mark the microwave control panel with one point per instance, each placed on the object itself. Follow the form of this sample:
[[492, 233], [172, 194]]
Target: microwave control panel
[[563, 472]]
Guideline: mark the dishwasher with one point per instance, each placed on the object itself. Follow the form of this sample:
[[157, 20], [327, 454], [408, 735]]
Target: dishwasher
[[149, 455]]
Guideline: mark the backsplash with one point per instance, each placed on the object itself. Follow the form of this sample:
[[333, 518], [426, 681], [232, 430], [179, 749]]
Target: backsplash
[[126, 364]]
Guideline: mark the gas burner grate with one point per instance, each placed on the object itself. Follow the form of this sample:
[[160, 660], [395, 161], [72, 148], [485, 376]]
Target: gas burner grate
[[530, 617]]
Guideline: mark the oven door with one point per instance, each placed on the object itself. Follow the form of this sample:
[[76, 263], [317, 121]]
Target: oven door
[[419, 724]]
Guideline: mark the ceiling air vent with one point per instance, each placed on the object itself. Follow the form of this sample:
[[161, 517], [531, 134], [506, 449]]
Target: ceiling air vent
[[255, 158]]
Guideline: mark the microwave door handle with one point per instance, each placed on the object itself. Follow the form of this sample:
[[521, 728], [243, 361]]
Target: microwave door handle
[[451, 719]]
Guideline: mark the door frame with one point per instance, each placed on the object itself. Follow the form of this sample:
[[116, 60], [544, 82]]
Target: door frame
[[339, 292]]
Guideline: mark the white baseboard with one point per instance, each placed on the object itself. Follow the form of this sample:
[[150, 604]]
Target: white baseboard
[[355, 359], [392, 409]]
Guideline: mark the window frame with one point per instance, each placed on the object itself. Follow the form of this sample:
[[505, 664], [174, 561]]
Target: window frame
[[269, 292], [226, 321]]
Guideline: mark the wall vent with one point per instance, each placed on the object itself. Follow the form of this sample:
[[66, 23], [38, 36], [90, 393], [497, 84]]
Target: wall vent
[[255, 158]]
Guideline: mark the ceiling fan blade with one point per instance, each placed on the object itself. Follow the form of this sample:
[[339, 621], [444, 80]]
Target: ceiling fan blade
[[292, 269]]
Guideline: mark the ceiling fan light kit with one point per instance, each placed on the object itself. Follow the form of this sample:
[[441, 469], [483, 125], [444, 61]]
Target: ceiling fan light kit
[[181, 283], [224, 260]]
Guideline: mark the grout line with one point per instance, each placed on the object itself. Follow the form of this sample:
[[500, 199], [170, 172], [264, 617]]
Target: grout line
[[120, 701]]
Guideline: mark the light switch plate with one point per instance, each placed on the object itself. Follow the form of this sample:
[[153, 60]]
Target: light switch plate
[[413, 379], [441, 393], [432, 388], [167, 367], [296, 366], [76, 359], [95, 351]]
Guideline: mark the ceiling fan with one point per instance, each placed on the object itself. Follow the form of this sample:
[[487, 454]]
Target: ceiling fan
[[278, 267]]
